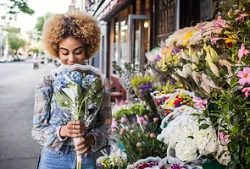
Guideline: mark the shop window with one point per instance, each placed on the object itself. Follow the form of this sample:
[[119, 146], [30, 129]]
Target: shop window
[[165, 19], [120, 54], [190, 12], [120, 37]]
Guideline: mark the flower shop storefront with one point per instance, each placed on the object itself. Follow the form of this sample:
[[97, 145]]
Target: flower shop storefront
[[191, 107], [128, 34]]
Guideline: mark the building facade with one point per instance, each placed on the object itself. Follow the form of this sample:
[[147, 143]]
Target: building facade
[[132, 27]]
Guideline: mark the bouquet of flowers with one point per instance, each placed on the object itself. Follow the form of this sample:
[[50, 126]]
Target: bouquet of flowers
[[135, 128], [116, 160], [79, 89], [148, 163], [167, 102], [213, 61], [142, 86]]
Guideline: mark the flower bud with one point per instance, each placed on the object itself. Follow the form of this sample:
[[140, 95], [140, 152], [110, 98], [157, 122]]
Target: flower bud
[[122, 131], [155, 119], [124, 119], [138, 144], [152, 135]]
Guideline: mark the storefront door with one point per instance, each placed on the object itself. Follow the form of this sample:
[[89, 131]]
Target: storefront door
[[138, 39]]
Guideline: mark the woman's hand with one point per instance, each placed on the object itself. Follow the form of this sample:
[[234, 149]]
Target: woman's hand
[[84, 144], [73, 129]]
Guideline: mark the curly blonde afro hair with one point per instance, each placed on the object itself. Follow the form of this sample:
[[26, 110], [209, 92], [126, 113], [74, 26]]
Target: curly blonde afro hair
[[77, 25]]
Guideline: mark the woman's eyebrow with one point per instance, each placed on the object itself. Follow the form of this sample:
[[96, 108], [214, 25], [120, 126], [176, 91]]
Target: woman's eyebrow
[[63, 48], [79, 47], [73, 49]]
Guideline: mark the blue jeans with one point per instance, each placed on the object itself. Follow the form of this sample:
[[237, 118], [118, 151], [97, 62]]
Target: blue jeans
[[64, 159]]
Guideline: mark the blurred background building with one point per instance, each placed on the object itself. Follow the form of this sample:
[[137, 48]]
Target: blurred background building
[[132, 27]]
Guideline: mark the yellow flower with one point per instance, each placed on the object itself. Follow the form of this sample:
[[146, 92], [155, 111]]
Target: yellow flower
[[231, 39], [186, 38], [166, 53]]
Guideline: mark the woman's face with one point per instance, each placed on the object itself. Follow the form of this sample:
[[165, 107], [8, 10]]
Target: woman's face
[[71, 51]]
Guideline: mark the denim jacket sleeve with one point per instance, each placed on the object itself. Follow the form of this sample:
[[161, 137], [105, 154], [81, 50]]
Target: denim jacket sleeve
[[102, 128], [43, 132]]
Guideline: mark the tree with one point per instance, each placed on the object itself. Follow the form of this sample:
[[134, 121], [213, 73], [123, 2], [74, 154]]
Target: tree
[[14, 7], [40, 22], [34, 50], [15, 42], [13, 39]]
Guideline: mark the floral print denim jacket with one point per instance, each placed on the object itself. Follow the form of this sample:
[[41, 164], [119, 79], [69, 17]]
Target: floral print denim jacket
[[49, 117]]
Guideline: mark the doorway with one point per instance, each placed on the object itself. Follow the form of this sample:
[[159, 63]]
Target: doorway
[[138, 39]]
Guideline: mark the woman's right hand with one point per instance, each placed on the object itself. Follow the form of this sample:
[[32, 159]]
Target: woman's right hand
[[72, 129]]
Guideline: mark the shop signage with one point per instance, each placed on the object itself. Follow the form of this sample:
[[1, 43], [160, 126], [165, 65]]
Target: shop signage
[[111, 6]]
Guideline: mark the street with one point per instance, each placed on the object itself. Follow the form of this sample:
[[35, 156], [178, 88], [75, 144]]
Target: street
[[17, 81]]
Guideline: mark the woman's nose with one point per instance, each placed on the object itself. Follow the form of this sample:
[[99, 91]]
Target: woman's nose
[[71, 58]]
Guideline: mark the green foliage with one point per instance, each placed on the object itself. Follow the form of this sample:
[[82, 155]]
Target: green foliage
[[127, 68], [75, 99], [112, 162], [40, 22], [34, 50], [168, 88], [15, 42], [135, 109], [138, 80], [233, 112], [140, 145], [13, 7], [12, 30]]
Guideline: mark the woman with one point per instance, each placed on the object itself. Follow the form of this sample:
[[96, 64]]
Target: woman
[[72, 38]]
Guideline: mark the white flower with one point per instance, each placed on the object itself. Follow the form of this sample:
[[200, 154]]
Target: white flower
[[180, 131], [206, 140], [223, 155], [186, 150], [185, 72]]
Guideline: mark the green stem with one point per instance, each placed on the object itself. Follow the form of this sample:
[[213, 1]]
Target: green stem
[[79, 165]]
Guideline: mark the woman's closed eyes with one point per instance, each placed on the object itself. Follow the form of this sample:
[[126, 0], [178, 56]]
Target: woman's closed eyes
[[76, 51]]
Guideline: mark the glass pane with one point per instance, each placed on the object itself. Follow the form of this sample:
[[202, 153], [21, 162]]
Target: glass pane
[[137, 44], [141, 41], [123, 42], [115, 56]]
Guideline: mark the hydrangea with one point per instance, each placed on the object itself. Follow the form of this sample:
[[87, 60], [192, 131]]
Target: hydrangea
[[63, 77]]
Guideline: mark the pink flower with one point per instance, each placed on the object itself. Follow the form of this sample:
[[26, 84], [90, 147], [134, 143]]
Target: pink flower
[[241, 17], [142, 120], [242, 51], [124, 119], [214, 39], [220, 23], [224, 138], [199, 103], [246, 91], [175, 166], [114, 125], [202, 27], [244, 76]]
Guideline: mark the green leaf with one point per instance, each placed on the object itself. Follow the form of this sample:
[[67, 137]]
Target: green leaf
[[247, 154], [233, 81], [235, 129], [203, 126]]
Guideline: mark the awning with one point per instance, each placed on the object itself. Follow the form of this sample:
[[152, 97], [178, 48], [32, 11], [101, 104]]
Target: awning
[[109, 8]]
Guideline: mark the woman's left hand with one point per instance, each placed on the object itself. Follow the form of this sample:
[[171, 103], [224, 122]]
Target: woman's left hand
[[84, 144]]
